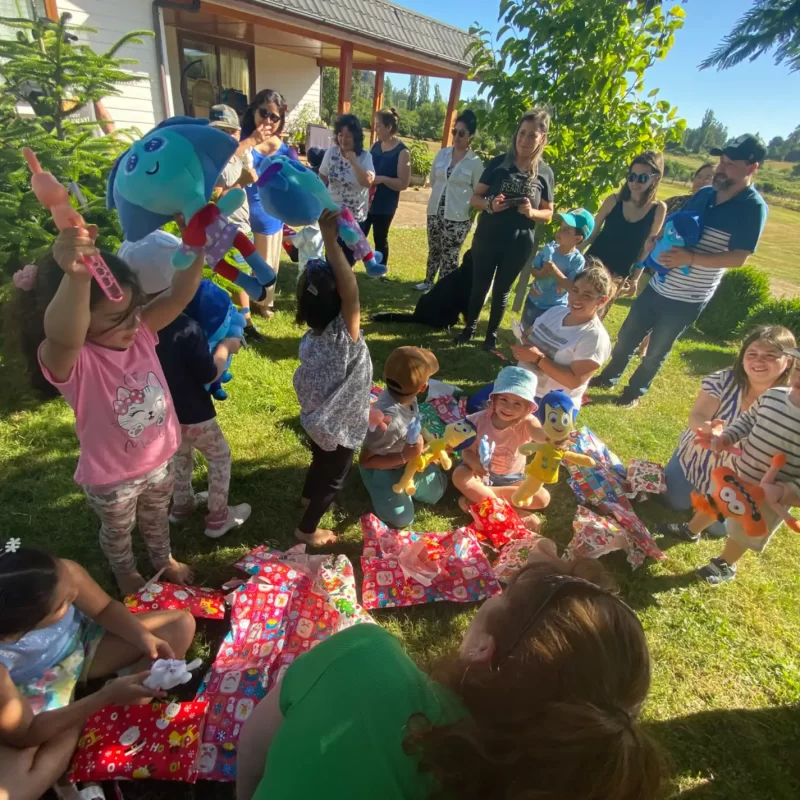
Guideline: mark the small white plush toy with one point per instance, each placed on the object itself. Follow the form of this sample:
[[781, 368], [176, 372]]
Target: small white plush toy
[[167, 673]]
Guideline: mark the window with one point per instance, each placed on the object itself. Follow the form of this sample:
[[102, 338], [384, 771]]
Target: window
[[214, 71], [19, 9]]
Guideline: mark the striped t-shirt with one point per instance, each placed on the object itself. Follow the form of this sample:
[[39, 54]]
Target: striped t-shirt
[[771, 425], [696, 461], [735, 224]]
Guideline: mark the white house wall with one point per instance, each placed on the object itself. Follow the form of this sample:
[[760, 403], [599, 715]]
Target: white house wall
[[297, 78], [140, 104]]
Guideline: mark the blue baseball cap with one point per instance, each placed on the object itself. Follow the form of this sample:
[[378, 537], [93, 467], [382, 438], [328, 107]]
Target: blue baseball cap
[[517, 381], [580, 219]]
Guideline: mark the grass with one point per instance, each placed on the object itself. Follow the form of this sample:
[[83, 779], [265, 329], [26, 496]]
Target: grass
[[726, 663], [696, 160]]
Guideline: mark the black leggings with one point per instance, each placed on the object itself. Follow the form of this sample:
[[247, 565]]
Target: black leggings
[[502, 260], [380, 224], [326, 477]]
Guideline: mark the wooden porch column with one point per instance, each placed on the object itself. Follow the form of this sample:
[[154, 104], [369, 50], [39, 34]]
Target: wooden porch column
[[345, 77], [455, 94], [377, 102]]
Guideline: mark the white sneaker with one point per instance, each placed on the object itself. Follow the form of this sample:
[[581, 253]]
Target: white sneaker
[[424, 286], [237, 516]]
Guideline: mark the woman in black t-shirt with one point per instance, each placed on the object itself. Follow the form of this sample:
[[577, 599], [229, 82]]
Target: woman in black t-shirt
[[515, 192]]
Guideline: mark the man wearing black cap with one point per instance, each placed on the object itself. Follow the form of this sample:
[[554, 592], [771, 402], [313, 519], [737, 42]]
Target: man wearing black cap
[[733, 214]]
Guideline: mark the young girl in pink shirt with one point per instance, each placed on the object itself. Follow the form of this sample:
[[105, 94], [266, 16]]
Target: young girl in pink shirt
[[101, 356]]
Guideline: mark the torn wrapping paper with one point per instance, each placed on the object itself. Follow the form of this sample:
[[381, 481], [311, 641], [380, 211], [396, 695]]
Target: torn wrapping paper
[[513, 557], [497, 521], [604, 486], [449, 408], [594, 536], [431, 423], [199, 601], [645, 477], [465, 574], [159, 741], [437, 388], [291, 602]]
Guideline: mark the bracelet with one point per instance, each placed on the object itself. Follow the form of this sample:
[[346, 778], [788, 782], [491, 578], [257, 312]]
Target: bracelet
[[489, 204], [541, 356]]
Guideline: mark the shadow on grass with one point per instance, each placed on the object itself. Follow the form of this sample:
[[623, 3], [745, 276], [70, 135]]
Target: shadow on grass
[[735, 753]]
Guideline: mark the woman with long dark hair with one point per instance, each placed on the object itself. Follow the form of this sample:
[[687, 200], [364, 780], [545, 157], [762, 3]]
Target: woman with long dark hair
[[626, 221], [262, 125], [392, 174], [514, 193], [540, 700]]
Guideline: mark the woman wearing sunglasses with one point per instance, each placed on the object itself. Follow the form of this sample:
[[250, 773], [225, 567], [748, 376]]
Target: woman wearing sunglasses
[[262, 125], [455, 174], [625, 222], [541, 699]]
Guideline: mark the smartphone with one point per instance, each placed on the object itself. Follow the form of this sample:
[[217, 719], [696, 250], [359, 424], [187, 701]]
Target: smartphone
[[515, 201]]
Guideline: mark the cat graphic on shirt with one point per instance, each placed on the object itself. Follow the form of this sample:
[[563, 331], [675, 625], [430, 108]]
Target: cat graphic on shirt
[[139, 409]]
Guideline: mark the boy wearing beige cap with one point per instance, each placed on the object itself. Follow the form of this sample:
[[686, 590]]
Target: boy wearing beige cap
[[386, 452]]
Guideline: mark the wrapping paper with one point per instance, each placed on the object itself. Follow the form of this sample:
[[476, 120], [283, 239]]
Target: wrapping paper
[[449, 408], [594, 536], [604, 486], [645, 477], [159, 741], [291, 602], [199, 601], [465, 573], [513, 557], [496, 520], [431, 423]]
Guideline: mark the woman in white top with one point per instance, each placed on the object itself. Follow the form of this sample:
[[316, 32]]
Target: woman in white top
[[347, 168], [568, 344], [455, 173]]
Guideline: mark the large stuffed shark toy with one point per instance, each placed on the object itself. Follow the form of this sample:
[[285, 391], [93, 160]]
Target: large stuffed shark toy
[[173, 170]]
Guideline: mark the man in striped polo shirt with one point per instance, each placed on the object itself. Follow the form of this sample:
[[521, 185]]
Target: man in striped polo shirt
[[733, 215]]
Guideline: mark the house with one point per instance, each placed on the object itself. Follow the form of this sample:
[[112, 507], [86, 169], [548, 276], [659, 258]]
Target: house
[[203, 52]]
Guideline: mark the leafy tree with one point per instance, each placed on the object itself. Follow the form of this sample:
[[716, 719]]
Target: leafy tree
[[437, 94], [44, 66], [587, 59], [388, 93], [431, 120], [424, 90], [768, 24], [711, 133], [330, 94], [413, 92], [776, 149]]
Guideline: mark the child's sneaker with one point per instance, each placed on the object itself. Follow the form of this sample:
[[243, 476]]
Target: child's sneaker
[[678, 530], [237, 516], [716, 572], [180, 515]]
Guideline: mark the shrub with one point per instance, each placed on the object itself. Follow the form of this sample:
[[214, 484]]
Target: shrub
[[740, 293], [784, 312], [298, 127], [421, 158]]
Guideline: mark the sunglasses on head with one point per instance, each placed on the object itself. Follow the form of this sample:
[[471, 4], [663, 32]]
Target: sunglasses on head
[[641, 177], [265, 113], [459, 132]]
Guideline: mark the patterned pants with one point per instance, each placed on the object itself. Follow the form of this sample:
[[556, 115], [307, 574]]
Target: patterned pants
[[208, 438], [119, 506], [445, 238]]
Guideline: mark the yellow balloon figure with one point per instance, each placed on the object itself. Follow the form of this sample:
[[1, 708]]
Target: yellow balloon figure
[[557, 414], [456, 434]]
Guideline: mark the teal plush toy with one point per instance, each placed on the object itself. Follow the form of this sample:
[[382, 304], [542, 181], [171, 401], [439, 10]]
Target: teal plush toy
[[173, 170]]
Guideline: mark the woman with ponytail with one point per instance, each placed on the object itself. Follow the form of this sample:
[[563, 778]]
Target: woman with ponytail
[[514, 193], [540, 700]]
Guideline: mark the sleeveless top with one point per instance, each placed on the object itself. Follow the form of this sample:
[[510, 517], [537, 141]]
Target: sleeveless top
[[620, 242], [260, 221], [386, 162], [42, 649]]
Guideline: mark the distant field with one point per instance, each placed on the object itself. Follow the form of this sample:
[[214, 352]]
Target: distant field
[[779, 250], [696, 161]]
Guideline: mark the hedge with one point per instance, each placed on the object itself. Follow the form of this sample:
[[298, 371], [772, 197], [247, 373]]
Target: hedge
[[741, 292], [784, 312]]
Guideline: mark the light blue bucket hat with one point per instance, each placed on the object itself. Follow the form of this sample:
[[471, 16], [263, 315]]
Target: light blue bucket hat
[[517, 381]]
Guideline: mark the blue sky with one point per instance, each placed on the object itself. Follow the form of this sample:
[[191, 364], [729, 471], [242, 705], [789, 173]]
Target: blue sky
[[756, 98]]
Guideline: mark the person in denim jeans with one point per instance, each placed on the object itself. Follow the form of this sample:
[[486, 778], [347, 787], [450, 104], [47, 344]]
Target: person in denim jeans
[[733, 215]]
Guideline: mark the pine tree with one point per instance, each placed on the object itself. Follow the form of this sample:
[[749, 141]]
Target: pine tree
[[413, 89], [388, 93], [424, 90], [46, 68], [437, 94]]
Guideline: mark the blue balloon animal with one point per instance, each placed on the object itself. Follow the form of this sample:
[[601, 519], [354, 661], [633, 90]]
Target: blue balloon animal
[[212, 309], [681, 229]]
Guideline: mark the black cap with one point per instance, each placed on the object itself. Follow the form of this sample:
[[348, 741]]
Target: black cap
[[744, 148]]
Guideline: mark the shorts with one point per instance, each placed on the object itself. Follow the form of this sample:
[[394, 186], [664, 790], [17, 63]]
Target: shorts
[[512, 479], [55, 687], [756, 543]]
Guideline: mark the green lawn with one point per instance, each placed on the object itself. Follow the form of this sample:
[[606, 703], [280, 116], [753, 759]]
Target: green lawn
[[726, 682]]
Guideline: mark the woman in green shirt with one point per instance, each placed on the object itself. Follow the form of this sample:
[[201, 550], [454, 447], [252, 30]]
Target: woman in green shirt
[[542, 696]]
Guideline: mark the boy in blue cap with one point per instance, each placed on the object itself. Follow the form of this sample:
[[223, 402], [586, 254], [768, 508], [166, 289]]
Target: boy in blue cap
[[556, 266]]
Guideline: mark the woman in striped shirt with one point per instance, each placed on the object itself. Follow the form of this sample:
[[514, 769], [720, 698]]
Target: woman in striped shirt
[[723, 398]]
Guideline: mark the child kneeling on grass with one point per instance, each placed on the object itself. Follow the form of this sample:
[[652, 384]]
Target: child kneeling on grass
[[333, 380], [101, 356], [769, 427], [386, 452], [508, 422], [188, 367], [59, 628]]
